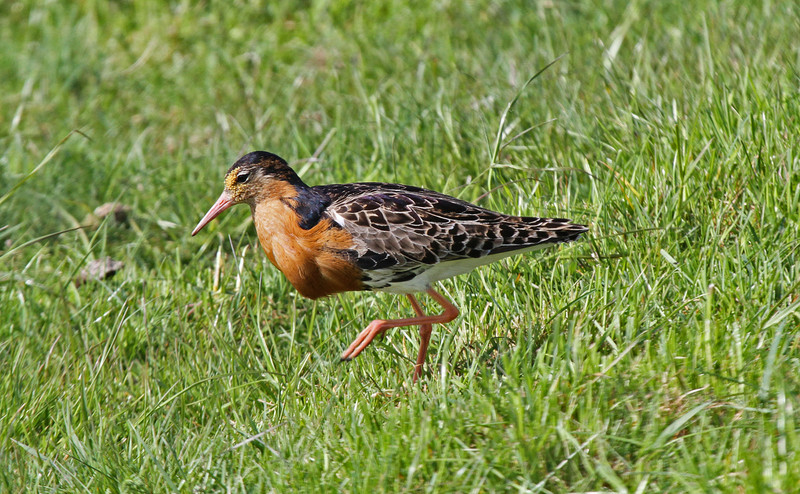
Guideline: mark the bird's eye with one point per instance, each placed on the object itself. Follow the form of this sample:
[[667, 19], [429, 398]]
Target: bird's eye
[[243, 177]]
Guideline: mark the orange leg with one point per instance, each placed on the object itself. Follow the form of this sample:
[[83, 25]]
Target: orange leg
[[425, 331], [425, 323]]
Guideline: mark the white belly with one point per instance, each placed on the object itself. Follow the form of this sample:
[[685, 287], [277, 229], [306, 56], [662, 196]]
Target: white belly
[[441, 271]]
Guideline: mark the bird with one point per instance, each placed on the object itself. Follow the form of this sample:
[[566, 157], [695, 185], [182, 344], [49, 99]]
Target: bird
[[375, 236]]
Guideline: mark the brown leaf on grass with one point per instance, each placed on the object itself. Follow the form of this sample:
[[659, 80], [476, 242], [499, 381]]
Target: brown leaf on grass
[[99, 269], [120, 211], [119, 214]]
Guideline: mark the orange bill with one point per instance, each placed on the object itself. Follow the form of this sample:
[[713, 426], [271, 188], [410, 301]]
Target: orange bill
[[224, 202]]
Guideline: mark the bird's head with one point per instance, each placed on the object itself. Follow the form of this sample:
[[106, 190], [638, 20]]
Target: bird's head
[[255, 177]]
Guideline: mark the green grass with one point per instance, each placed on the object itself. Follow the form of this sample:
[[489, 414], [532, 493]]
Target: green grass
[[659, 354]]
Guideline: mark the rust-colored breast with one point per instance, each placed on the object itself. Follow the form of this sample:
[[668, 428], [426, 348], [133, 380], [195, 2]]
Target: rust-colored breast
[[312, 259]]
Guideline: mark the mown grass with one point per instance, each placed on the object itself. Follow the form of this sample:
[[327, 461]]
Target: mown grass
[[660, 354]]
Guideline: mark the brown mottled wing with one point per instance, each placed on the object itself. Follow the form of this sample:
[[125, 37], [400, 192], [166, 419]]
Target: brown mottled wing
[[406, 229]]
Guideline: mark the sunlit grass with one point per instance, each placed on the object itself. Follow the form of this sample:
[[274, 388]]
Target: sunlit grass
[[658, 354]]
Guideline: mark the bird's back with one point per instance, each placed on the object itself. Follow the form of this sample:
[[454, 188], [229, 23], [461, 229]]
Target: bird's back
[[407, 238]]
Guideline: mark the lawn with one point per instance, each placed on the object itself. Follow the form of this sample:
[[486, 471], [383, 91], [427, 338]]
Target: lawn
[[661, 353]]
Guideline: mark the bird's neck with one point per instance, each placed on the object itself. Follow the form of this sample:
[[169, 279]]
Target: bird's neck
[[305, 203], [304, 245], [288, 207]]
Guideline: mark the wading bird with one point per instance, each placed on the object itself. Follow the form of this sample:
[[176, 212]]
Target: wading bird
[[375, 236]]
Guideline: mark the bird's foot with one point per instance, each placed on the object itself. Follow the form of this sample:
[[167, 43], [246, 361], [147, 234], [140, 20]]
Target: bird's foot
[[364, 338]]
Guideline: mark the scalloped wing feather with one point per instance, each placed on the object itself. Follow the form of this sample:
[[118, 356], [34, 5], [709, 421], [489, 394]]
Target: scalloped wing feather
[[401, 232]]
